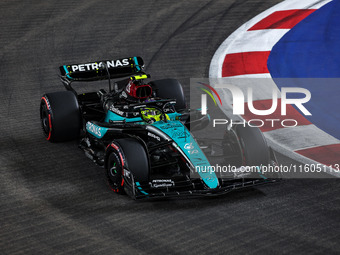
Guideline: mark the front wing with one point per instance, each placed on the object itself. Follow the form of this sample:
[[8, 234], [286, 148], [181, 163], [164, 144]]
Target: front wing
[[189, 188]]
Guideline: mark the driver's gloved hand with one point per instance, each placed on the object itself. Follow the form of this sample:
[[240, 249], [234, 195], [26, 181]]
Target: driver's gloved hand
[[150, 121]]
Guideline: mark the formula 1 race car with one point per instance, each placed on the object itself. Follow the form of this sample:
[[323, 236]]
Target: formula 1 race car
[[139, 132]]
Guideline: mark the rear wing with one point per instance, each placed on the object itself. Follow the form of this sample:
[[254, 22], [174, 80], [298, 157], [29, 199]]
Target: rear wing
[[98, 70]]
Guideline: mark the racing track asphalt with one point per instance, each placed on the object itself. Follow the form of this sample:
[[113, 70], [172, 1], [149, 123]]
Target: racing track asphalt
[[55, 201]]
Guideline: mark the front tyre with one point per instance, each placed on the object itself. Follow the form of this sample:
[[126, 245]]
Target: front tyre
[[126, 161], [114, 173], [254, 146]]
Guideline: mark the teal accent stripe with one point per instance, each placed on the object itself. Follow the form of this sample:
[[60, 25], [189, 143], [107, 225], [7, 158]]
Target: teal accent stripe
[[67, 72], [140, 189], [115, 117], [261, 175], [136, 63], [95, 130]]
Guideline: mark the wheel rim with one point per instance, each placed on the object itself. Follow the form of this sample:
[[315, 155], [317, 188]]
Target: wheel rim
[[45, 120], [113, 173]]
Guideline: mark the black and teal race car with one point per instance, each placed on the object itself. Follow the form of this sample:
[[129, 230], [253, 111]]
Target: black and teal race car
[[140, 132]]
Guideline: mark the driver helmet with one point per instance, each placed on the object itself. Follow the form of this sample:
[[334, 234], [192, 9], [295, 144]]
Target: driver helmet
[[152, 115]]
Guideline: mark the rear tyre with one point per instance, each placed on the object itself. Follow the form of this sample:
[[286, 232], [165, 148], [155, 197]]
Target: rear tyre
[[254, 146], [170, 89], [60, 116]]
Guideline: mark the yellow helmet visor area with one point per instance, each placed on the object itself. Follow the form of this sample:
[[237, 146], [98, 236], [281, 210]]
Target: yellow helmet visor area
[[152, 114]]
